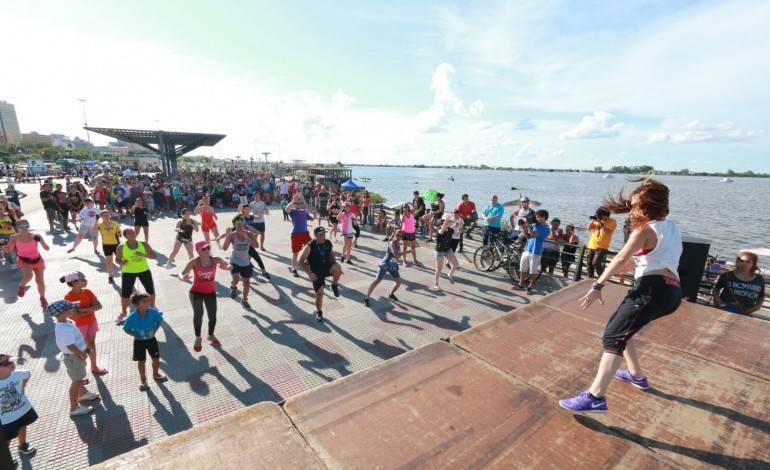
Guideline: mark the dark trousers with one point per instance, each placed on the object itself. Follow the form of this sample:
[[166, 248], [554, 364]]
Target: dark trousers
[[255, 255], [198, 300], [595, 260]]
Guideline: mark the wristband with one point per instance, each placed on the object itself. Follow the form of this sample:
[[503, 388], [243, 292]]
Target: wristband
[[597, 286]]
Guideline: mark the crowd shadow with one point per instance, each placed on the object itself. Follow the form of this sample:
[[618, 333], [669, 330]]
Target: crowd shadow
[[41, 334], [258, 389], [174, 419], [377, 347], [318, 358], [436, 320], [706, 456]]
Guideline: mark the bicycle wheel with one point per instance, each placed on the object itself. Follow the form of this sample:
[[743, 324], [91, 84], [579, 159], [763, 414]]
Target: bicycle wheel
[[484, 258], [513, 267]]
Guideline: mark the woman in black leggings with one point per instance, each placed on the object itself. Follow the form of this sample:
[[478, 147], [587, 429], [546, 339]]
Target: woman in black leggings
[[653, 251], [203, 290]]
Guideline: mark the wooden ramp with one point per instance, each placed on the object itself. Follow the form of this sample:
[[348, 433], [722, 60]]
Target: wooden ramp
[[488, 399]]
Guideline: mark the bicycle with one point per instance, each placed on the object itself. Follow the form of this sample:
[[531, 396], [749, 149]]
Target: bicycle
[[501, 251]]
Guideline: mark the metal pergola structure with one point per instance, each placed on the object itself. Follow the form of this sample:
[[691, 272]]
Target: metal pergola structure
[[168, 145]]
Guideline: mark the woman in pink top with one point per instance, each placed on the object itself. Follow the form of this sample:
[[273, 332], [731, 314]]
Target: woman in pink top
[[409, 227], [29, 259], [346, 219], [204, 290]]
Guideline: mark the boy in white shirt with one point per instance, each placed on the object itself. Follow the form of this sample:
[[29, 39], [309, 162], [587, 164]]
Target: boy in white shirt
[[71, 343], [88, 217], [16, 412]]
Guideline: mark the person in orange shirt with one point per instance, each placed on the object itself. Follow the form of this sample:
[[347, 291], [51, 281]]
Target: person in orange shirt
[[602, 227], [85, 316]]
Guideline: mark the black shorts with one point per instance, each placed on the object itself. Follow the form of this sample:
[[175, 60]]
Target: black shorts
[[244, 271], [144, 346], [650, 298], [408, 237], [12, 429], [320, 279], [260, 226], [333, 220], [323, 211], [128, 280], [109, 250]]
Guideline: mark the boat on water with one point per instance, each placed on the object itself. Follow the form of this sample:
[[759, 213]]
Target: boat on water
[[607, 175], [726, 180], [451, 178]]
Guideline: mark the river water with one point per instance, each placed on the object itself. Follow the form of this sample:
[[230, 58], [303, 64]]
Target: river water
[[731, 216]]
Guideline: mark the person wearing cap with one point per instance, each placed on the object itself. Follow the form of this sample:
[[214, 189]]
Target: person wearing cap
[[240, 261], [388, 264], [85, 316], [142, 325], [132, 256], [602, 227], [28, 259], [16, 411], [203, 291], [109, 230], [529, 264], [493, 214], [74, 351], [88, 217], [524, 214], [319, 262], [299, 233]]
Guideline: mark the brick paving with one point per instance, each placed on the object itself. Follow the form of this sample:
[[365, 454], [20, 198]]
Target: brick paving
[[269, 353]]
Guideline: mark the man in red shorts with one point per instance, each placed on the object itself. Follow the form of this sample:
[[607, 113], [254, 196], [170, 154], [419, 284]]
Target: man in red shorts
[[297, 210]]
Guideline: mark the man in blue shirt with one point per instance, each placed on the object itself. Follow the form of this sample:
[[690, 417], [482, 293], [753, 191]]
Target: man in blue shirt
[[530, 259], [493, 214]]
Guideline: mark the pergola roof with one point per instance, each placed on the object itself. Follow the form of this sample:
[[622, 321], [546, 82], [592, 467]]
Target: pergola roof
[[181, 142]]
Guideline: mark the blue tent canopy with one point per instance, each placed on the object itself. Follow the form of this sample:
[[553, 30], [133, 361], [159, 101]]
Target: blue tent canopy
[[349, 185]]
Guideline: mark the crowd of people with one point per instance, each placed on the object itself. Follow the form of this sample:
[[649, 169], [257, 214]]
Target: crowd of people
[[339, 216]]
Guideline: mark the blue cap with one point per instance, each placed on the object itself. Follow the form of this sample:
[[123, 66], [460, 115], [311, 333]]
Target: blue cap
[[61, 306], [525, 199]]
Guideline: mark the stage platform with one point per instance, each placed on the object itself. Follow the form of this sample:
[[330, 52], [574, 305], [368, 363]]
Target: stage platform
[[487, 398]]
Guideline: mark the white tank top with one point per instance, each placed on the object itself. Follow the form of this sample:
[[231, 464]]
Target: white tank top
[[666, 253]]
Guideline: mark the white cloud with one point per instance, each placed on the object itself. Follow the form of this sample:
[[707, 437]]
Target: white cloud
[[483, 125], [446, 102], [695, 132], [600, 124]]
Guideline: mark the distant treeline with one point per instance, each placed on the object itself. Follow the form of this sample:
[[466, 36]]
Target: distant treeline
[[631, 170]]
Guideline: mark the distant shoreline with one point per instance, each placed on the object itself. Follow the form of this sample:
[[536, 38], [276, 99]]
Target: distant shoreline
[[633, 171]]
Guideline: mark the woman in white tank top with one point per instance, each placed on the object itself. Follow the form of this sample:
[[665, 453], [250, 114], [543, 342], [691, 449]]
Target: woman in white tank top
[[653, 251]]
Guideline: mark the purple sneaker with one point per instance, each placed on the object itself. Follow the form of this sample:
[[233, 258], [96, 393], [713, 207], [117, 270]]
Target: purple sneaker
[[584, 403], [626, 376]]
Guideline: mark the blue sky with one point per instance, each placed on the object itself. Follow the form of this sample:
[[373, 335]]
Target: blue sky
[[543, 83]]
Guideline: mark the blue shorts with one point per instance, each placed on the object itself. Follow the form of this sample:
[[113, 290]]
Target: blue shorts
[[390, 268]]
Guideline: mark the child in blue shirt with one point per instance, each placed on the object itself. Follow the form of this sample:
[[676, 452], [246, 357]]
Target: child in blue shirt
[[142, 324]]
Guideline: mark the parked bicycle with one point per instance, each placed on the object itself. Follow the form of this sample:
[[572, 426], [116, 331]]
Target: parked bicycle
[[500, 252]]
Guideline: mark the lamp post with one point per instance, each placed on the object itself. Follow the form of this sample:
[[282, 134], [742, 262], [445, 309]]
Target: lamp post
[[83, 101], [266, 155]]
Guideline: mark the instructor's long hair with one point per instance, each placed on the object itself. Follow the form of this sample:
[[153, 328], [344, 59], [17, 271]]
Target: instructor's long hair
[[653, 202]]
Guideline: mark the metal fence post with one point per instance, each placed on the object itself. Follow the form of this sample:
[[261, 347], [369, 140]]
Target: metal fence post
[[579, 268]]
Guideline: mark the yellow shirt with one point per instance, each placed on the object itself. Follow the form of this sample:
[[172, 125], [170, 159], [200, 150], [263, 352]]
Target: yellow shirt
[[6, 228], [600, 238], [109, 232]]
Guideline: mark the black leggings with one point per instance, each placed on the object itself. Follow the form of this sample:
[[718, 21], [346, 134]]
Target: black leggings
[[254, 254], [198, 300], [595, 261], [650, 298], [128, 280]]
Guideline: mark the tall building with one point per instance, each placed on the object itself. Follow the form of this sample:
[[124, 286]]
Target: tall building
[[9, 124]]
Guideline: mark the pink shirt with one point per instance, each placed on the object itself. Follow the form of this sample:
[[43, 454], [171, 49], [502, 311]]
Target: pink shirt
[[204, 278], [408, 224]]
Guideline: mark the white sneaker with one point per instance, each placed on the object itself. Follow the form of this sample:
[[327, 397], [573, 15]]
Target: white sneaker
[[81, 410], [88, 396]]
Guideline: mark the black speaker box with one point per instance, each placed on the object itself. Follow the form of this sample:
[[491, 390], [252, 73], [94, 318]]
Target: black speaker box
[[692, 264]]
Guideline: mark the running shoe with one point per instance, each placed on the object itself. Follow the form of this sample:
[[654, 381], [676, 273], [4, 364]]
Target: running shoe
[[245, 304], [111, 280], [366, 301], [233, 292], [349, 261], [214, 341], [342, 259], [197, 345], [294, 271], [319, 315], [639, 382], [81, 410], [88, 396], [21, 291], [584, 403], [393, 297], [27, 450], [336, 290]]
